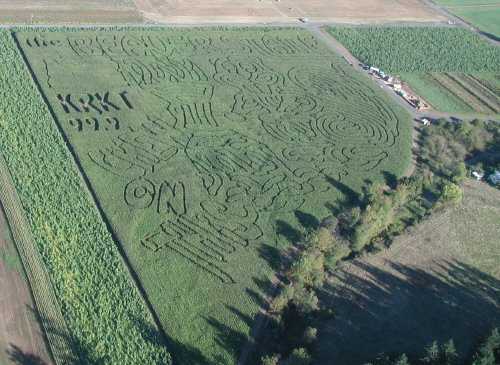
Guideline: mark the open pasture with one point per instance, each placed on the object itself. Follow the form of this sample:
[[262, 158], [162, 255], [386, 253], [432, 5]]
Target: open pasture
[[68, 11], [483, 15], [205, 149], [439, 281]]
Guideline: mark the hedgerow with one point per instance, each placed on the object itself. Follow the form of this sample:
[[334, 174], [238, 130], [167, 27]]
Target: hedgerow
[[419, 49], [107, 319]]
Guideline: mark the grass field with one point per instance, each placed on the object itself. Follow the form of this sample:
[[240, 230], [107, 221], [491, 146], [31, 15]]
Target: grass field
[[205, 149], [72, 11], [486, 18], [458, 93], [440, 281], [481, 14], [451, 68]]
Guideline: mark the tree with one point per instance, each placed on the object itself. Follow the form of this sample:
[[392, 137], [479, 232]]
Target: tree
[[451, 193], [299, 356]]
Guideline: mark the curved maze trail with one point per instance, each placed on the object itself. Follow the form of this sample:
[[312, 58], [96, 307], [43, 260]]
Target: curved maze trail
[[196, 143]]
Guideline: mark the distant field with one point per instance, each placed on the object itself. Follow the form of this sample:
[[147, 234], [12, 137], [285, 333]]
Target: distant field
[[204, 148], [220, 11], [379, 11], [72, 11], [440, 281], [466, 2], [451, 68], [484, 15], [486, 19], [398, 49]]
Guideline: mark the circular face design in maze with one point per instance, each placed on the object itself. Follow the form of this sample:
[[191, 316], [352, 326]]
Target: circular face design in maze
[[140, 193]]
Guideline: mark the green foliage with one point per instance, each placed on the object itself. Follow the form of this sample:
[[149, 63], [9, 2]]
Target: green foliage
[[433, 353], [489, 352], [419, 49], [448, 148], [298, 356], [310, 335], [102, 308], [270, 360], [403, 360], [451, 193], [380, 213]]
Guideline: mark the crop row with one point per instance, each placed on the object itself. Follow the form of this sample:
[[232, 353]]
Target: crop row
[[49, 312], [419, 49], [104, 312]]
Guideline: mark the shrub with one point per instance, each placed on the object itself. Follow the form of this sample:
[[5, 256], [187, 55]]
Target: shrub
[[451, 193], [489, 352], [299, 356], [270, 360]]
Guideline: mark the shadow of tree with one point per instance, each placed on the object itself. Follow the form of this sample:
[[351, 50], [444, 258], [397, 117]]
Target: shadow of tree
[[390, 179], [180, 352], [396, 308], [286, 230], [18, 357], [308, 221], [352, 196], [61, 342], [227, 337], [83, 354], [271, 255]]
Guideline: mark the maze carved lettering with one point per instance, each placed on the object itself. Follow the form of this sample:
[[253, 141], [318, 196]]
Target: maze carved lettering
[[92, 103], [213, 135]]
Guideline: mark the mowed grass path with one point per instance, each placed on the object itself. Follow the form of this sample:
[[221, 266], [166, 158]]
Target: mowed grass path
[[208, 151]]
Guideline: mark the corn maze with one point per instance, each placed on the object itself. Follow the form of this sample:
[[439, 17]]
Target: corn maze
[[195, 144]]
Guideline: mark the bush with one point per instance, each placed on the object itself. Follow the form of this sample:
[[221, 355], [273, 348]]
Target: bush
[[451, 193], [299, 356], [270, 360], [489, 352]]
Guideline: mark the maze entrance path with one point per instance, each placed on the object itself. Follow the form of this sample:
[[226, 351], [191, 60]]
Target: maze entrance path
[[204, 149]]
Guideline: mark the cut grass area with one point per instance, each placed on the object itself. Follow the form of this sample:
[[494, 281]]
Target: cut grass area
[[439, 281], [487, 19], [484, 15], [438, 97], [205, 148], [458, 93]]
